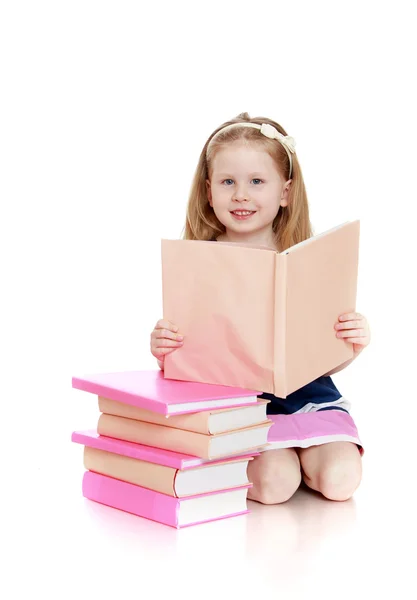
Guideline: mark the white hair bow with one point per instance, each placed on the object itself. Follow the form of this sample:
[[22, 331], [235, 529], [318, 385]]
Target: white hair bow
[[286, 140]]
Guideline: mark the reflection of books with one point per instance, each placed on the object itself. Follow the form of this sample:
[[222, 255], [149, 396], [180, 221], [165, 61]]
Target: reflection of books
[[259, 319], [179, 481], [151, 391], [161, 507]]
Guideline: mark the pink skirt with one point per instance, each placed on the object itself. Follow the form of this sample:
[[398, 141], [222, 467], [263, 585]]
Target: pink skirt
[[305, 429]]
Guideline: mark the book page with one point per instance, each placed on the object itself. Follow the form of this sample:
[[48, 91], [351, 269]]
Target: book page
[[313, 238]]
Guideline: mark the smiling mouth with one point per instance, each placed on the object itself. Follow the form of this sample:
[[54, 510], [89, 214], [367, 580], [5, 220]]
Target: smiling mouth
[[242, 213]]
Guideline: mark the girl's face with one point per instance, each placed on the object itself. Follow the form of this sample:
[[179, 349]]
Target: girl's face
[[245, 191]]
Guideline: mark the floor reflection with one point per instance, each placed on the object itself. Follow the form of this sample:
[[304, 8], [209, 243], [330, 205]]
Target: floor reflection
[[282, 540], [269, 535]]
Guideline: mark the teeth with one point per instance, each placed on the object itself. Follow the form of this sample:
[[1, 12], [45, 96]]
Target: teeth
[[243, 212]]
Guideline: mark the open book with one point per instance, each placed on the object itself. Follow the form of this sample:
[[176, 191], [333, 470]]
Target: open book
[[259, 319]]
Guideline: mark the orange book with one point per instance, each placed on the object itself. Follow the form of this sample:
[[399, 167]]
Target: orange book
[[256, 318], [168, 480], [188, 442], [207, 422]]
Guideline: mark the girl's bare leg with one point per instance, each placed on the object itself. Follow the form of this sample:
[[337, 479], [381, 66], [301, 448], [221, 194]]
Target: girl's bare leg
[[334, 469], [275, 474]]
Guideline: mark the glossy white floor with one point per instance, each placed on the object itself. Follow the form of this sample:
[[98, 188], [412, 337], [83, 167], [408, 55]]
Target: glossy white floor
[[61, 545]]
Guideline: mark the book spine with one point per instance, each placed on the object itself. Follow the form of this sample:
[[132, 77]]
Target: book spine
[[280, 325]]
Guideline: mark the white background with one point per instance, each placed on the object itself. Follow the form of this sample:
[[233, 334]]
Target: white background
[[105, 107]]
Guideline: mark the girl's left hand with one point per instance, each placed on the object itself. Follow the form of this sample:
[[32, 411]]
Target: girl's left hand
[[354, 328]]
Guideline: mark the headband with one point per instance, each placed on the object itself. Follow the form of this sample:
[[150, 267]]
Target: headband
[[267, 130]]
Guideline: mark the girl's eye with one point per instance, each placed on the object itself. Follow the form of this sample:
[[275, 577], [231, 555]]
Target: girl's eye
[[229, 181]]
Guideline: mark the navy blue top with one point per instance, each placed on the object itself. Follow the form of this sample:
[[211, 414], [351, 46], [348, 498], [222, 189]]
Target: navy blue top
[[320, 391]]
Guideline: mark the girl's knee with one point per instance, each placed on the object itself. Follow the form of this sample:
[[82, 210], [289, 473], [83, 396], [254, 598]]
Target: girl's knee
[[268, 492], [275, 478], [338, 481]]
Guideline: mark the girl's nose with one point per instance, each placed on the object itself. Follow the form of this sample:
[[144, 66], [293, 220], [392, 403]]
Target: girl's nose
[[240, 194]]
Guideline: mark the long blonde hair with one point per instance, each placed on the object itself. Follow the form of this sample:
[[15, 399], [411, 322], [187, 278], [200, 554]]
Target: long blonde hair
[[292, 223]]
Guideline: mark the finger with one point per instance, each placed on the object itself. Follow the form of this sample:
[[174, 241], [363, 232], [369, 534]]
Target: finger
[[357, 333], [164, 343], [349, 325], [350, 316], [165, 324], [159, 334], [163, 352]]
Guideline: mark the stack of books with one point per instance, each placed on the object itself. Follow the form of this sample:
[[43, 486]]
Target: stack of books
[[171, 451]]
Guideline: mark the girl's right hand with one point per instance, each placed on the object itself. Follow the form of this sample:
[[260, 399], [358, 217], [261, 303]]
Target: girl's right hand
[[165, 339]]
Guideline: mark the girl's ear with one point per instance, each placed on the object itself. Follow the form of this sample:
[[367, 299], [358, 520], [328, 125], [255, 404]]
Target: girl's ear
[[209, 192], [285, 192]]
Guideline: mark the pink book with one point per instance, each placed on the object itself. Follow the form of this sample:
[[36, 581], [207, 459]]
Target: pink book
[[164, 509], [152, 391], [158, 456]]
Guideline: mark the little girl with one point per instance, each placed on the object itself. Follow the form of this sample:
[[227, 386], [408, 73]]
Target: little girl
[[248, 188]]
